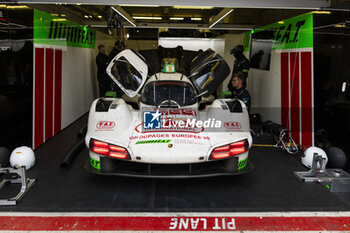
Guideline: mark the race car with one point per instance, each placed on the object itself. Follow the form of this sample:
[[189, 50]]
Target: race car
[[173, 132]]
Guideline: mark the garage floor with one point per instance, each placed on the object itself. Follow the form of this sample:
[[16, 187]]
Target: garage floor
[[272, 186]]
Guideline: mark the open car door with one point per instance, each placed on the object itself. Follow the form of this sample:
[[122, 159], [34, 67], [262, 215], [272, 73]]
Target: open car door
[[129, 71], [208, 71]]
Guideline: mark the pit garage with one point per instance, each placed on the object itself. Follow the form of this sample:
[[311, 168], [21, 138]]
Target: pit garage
[[157, 141]]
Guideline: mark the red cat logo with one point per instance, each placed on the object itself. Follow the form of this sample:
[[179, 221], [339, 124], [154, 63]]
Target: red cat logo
[[233, 125], [105, 125]]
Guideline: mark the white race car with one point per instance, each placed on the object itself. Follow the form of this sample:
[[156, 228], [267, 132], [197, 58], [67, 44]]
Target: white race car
[[172, 133]]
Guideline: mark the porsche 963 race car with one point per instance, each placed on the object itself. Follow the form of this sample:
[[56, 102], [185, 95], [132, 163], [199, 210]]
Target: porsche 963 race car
[[172, 131]]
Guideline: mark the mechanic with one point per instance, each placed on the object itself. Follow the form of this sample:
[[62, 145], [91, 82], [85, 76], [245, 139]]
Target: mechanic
[[118, 47], [102, 61], [239, 91], [241, 64]]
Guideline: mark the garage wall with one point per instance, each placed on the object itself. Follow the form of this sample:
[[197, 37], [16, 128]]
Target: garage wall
[[64, 74], [284, 93]]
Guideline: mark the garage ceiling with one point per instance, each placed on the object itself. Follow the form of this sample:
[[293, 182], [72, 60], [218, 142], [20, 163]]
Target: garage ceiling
[[229, 15]]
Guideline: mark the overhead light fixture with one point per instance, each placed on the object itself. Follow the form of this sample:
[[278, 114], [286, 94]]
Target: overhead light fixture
[[131, 5], [339, 26], [99, 16], [17, 7], [213, 24], [86, 16], [176, 18], [127, 35], [280, 22], [123, 16], [63, 15], [194, 7], [90, 16], [59, 20], [196, 19], [54, 15], [343, 88], [147, 17], [322, 12]]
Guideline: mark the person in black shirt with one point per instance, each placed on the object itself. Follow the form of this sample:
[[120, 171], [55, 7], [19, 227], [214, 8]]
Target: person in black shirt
[[239, 92], [241, 64], [102, 61], [118, 47]]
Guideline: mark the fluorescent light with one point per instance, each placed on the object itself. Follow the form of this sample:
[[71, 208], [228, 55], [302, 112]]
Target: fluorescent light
[[17, 7], [339, 26], [193, 7], [90, 16], [86, 16], [176, 18], [196, 19], [57, 20], [212, 25], [321, 12], [146, 17], [343, 88], [99, 16], [123, 16], [138, 5]]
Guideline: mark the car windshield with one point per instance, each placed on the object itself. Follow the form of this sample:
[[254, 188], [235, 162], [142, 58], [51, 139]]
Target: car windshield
[[158, 92]]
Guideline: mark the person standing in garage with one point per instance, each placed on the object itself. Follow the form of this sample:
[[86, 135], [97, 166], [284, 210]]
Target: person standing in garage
[[102, 77], [241, 64], [118, 47], [239, 91]]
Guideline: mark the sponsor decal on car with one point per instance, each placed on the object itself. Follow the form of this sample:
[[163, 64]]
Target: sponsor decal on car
[[233, 125], [153, 141], [105, 125], [95, 163], [172, 135]]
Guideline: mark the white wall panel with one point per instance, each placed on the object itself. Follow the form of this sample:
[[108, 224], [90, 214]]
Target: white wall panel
[[78, 83]]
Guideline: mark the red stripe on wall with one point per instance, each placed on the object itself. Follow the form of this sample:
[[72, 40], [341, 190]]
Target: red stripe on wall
[[49, 94], [194, 223], [294, 96], [39, 98], [58, 90], [306, 99], [284, 90]]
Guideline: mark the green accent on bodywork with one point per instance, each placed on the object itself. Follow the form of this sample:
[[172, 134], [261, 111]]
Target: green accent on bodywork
[[95, 163], [242, 164], [52, 30], [152, 141], [226, 94], [327, 186], [292, 33], [111, 94]]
